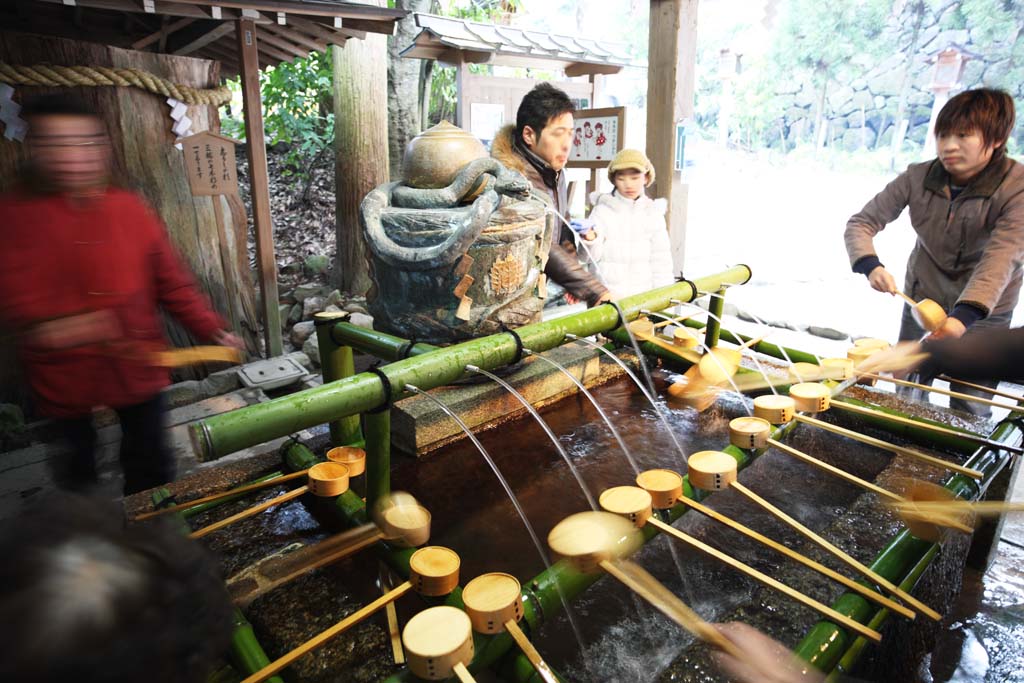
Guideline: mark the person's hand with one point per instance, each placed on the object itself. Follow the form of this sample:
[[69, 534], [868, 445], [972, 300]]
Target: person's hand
[[766, 660], [582, 226], [225, 338], [882, 280], [590, 236], [570, 299], [951, 329], [900, 360]]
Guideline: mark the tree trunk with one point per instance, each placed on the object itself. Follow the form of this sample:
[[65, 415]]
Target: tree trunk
[[361, 148], [404, 121], [145, 160]]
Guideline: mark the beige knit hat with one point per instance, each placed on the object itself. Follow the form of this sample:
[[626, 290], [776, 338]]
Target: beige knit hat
[[631, 159]]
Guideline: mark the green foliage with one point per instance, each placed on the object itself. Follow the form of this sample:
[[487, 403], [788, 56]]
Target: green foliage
[[297, 111]]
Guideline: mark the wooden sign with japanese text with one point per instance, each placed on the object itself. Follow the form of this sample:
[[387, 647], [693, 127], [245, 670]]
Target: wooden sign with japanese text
[[210, 164]]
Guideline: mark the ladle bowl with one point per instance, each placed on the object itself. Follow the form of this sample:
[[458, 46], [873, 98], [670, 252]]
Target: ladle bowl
[[492, 599], [917, 491], [665, 487], [749, 432], [928, 314], [774, 408], [327, 479], [632, 502], [589, 538], [811, 397], [434, 571], [437, 640], [712, 470], [402, 520], [351, 457]]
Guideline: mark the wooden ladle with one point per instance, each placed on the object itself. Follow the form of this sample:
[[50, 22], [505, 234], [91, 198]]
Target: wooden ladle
[[494, 603], [928, 314], [433, 571], [325, 479], [635, 503]]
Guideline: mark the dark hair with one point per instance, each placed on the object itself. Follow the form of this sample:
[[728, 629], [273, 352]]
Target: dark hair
[[87, 600], [539, 106], [58, 105], [986, 110]]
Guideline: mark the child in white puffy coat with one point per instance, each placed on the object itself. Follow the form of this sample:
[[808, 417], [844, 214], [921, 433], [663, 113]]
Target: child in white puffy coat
[[625, 235]]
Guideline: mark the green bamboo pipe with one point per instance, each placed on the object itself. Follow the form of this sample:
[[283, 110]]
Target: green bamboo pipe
[[226, 433], [825, 644], [716, 305], [336, 362], [378, 344], [377, 427]]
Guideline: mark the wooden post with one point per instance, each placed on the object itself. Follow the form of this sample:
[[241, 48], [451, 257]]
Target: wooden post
[[672, 57], [461, 105], [361, 147], [259, 185], [593, 184]]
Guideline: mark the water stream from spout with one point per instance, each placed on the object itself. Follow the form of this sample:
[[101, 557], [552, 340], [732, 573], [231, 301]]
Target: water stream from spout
[[547, 430], [632, 337], [597, 407], [649, 395], [511, 496]]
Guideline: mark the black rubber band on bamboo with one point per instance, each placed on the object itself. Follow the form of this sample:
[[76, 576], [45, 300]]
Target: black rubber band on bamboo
[[693, 286], [387, 389], [519, 344], [621, 322], [405, 349]]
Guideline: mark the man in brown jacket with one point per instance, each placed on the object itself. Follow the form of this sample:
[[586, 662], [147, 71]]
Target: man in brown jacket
[[538, 146], [967, 207]]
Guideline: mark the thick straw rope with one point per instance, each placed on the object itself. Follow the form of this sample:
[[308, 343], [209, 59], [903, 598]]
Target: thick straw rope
[[70, 76]]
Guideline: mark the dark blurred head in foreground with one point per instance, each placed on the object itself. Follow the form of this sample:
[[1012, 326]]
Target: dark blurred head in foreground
[[68, 146], [84, 599]]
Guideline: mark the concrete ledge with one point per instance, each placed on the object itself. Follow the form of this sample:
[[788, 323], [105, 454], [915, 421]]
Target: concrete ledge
[[418, 426]]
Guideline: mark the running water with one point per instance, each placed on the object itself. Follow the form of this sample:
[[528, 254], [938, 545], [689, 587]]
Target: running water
[[545, 427], [597, 407], [632, 337], [511, 496], [649, 395], [687, 588]]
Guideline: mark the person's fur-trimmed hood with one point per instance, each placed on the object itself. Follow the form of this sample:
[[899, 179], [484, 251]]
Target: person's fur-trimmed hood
[[503, 149]]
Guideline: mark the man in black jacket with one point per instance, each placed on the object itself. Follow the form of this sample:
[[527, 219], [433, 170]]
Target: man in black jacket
[[538, 146]]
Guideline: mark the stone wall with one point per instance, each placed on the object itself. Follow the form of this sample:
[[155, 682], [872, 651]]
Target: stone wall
[[862, 112]]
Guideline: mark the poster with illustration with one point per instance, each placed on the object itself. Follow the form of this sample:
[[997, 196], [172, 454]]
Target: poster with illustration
[[598, 136]]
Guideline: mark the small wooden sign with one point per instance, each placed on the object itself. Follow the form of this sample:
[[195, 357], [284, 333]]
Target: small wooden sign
[[210, 163]]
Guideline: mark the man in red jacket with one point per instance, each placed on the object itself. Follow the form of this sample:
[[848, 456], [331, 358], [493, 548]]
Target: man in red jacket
[[83, 268]]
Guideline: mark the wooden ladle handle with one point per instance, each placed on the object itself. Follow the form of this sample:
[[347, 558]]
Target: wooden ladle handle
[[906, 298], [462, 673]]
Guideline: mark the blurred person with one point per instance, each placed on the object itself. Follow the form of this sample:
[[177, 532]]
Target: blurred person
[[85, 599], [538, 146], [83, 269], [967, 208], [994, 355], [766, 660], [625, 234]]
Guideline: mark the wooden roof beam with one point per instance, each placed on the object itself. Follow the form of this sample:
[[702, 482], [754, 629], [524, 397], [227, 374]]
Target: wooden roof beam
[[215, 33], [295, 36], [319, 9], [265, 36], [271, 51], [331, 36], [162, 33]]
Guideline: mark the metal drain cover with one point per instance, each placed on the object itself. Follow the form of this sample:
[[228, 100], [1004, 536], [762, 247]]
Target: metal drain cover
[[271, 373]]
